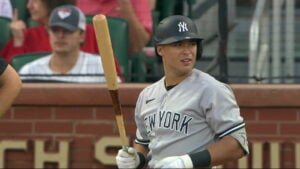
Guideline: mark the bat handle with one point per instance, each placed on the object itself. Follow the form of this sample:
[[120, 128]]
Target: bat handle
[[125, 148]]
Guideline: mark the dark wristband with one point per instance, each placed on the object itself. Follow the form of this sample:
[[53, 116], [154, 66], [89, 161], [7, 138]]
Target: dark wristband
[[142, 160], [201, 159]]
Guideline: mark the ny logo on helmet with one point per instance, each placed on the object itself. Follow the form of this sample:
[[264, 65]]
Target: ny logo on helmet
[[182, 27]]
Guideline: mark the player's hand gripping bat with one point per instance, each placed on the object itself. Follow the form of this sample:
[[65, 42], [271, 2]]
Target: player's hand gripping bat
[[108, 62]]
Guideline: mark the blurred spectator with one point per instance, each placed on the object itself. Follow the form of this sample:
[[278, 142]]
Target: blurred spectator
[[5, 9], [152, 5], [35, 39], [136, 12], [67, 25], [10, 86]]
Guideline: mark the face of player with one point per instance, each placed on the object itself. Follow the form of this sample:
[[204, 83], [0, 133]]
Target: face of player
[[64, 41], [178, 58], [38, 11]]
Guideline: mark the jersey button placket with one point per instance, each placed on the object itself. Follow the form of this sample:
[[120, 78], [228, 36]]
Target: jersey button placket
[[163, 101]]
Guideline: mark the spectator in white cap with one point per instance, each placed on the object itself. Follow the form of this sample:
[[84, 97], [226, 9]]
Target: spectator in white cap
[[66, 63]]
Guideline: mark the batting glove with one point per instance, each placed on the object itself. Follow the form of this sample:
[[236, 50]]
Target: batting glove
[[127, 158], [175, 162]]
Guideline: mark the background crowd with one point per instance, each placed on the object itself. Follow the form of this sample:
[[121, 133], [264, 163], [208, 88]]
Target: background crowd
[[27, 30]]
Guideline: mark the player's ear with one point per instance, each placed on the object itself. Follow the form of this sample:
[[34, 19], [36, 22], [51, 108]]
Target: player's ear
[[159, 50]]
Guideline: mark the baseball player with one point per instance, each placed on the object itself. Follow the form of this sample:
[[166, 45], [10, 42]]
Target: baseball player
[[187, 119]]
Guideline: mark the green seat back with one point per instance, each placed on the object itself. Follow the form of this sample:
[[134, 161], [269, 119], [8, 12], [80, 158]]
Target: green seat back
[[20, 60], [5, 31], [31, 23], [21, 5], [166, 8], [118, 29]]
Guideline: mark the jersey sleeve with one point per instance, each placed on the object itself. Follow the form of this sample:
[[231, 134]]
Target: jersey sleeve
[[141, 132], [223, 113]]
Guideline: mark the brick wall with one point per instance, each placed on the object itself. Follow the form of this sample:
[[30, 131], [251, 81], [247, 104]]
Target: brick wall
[[81, 115]]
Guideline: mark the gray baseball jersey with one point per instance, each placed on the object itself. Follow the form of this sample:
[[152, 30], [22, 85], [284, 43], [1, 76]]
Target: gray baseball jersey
[[186, 119]]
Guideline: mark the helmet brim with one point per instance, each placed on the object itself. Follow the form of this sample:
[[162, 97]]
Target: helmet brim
[[178, 38]]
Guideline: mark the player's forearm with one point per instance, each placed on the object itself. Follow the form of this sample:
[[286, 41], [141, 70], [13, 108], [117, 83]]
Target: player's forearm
[[142, 153], [10, 87], [142, 149], [225, 150]]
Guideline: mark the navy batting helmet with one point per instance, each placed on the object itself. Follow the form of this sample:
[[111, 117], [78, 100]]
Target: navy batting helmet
[[177, 28]]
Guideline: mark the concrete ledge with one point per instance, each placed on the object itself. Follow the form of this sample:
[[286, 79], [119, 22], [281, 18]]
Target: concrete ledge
[[248, 95], [267, 95]]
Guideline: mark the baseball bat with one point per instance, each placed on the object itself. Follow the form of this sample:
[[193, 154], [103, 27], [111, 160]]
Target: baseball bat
[[109, 67]]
